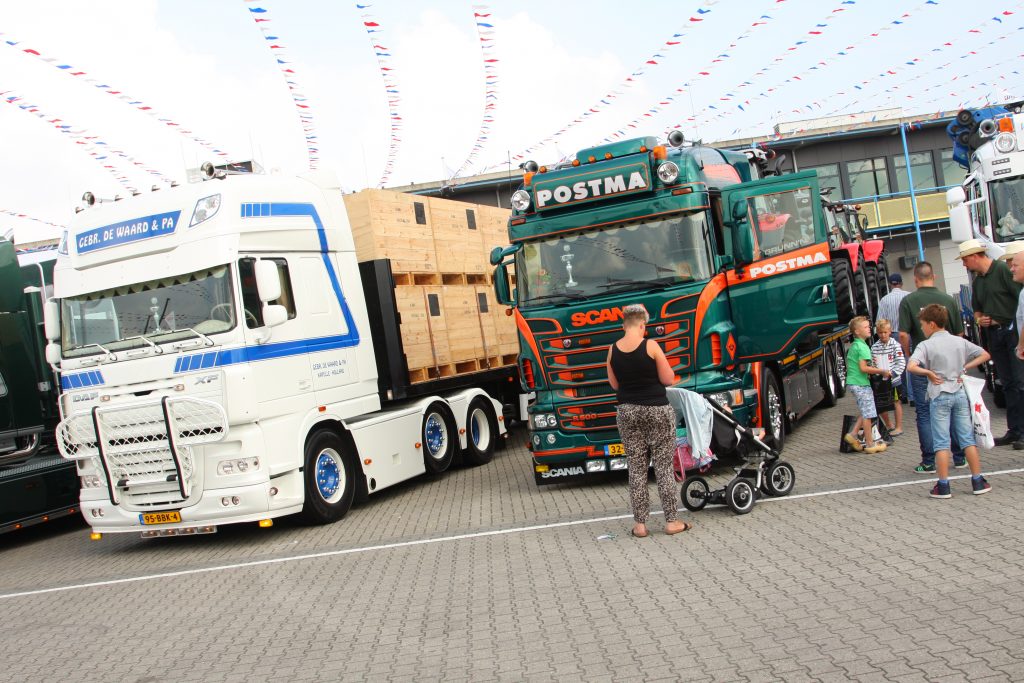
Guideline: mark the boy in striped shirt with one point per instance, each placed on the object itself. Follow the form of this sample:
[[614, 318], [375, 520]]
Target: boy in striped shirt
[[888, 348]]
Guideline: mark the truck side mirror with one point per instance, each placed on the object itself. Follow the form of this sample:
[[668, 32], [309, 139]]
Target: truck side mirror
[[53, 354], [960, 223], [502, 291], [274, 315], [742, 235], [268, 282], [51, 321]]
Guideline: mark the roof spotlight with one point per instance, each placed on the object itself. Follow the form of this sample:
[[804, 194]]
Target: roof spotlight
[[208, 170], [89, 198], [675, 138], [531, 167]]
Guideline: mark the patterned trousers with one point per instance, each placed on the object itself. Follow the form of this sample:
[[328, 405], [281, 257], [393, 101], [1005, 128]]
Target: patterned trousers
[[649, 430]]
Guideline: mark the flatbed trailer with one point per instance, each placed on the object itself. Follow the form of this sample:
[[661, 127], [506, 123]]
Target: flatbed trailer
[[39, 490]]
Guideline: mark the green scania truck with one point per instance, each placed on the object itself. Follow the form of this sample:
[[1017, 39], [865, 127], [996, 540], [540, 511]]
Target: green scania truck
[[36, 484], [733, 267]]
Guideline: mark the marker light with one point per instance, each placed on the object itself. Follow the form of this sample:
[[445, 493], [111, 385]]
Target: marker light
[[668, 172], [1005, 125], [1005, 142], [206, 208], [520, 200]]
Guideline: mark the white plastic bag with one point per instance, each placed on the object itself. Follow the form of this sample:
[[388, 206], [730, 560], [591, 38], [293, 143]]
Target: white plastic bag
[[979, 413]]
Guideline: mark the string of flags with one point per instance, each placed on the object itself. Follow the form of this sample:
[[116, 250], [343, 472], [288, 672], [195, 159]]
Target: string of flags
[[678, 38], [287, 68], [93, 145], [485, 35], [103, 86], [25, 216], [387, 71], [702, 73]]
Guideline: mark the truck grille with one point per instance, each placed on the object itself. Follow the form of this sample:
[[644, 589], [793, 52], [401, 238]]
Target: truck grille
[[146, 464]]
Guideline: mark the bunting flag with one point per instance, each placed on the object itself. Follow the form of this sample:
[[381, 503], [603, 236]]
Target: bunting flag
[[679, 37], [25, 216], [91, 144], [738, 92], [287, 68], [701, 73], [103, 86], [485, 36], [387, 72]]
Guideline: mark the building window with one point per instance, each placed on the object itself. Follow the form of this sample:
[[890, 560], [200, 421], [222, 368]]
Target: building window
[[253, 307], [828, 176], [867, 178], [922, 168], [952, 172]]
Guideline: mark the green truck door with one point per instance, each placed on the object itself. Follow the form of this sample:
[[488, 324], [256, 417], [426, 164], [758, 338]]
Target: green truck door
[[781, 287]]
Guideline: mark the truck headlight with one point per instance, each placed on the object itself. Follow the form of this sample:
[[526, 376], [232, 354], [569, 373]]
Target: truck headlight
[[206, 208], [668, 172], [544, 421], [520, 200], [1005, 142], [728, 399], [238, 466]]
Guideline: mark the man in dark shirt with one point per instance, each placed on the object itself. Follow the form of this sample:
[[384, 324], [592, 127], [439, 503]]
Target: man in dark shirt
[[994, 297], [910, 336]]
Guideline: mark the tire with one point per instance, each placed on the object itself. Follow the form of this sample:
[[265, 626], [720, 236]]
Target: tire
[[773, 411], [740, 496], [883, 280], [846, 303], [828, 377], [481, 433], [439, 441], [871, 279], [839, 354], [328, 477], [695, 493], [965, 117], [780, 478]]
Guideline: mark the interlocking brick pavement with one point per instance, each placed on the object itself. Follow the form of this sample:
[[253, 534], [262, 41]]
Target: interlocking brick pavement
[[878, 584]]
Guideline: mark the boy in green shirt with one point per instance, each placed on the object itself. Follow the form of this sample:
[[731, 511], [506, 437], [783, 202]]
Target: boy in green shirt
[[857, 371]]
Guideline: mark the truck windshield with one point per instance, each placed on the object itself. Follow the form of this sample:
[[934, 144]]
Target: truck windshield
[[621, 257], [190, 305], [1008, 207]]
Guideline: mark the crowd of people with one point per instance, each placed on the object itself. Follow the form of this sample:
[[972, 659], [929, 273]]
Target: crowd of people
[[920, 351]]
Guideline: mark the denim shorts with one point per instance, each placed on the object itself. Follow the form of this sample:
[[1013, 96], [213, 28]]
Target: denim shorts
[[951, 410], [865, 400]]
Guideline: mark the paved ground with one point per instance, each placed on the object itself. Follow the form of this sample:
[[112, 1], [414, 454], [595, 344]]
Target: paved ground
[[480, 575]]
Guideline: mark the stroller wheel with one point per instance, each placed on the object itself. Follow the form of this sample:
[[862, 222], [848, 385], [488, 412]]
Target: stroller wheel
[[780, 478], [740, 495], [695, 493]]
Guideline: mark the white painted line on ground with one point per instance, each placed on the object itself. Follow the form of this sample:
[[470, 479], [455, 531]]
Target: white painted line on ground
[[443, 539]]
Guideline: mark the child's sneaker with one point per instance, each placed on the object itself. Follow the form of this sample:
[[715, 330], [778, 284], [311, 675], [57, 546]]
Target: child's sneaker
[[959, 463], [877, 448], [980, 486], [925, 469], [853, 442], [941, 490]]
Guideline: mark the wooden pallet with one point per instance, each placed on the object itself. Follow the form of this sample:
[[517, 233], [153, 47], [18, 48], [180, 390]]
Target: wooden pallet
[[465, 367]]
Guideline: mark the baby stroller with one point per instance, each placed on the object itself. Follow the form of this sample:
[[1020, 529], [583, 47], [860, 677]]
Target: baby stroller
[[762, 470]]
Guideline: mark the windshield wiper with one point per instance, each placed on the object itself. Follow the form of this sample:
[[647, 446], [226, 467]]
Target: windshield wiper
[[566, 295], [645, 285], [143, 337], [110, 354], [206, 340]]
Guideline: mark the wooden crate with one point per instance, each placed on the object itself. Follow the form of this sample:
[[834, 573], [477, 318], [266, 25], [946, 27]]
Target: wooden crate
[[384, 226], [424, 327], [464, 330], [459, 246]]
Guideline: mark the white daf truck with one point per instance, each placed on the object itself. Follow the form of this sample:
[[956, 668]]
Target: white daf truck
[[225, 359]]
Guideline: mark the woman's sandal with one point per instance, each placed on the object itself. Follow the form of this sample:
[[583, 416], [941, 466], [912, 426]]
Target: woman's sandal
[[686, 527], [634, 534]]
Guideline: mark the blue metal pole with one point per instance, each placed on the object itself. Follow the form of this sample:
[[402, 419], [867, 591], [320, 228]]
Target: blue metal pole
[[913, 194]]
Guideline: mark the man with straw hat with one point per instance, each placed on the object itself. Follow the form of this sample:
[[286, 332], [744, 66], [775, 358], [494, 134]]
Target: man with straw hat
[[995, 298]]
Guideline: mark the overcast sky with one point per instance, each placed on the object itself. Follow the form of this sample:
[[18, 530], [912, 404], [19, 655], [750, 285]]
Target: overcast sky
[[205, 65]]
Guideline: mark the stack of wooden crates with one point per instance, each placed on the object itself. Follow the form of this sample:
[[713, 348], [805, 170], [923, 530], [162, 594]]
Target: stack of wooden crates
[[450, 321]]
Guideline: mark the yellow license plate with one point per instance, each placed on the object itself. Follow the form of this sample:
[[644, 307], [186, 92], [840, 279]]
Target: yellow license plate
[[615, 449], [160, 517]]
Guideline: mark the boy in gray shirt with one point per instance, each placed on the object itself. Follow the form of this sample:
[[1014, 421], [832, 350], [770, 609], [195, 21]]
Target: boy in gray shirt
[[943, 358]]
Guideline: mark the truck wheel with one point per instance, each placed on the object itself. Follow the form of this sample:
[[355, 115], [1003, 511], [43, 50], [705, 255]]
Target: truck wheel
[[846, 304], [438, 438], [839, 354], [883, 281], [329, 475], [871, 278], [482, 428], [828, 377], [773, 414], [860, 289]]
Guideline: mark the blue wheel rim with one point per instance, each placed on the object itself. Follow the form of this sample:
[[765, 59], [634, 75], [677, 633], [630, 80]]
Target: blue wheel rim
[[474, 428], [435, 435], [329, 476]]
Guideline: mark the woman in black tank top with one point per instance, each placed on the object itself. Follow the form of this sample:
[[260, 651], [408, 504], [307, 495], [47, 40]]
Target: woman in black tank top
[[639, 373]]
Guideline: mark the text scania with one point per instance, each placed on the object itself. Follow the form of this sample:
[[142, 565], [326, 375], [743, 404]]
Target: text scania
[[605, 315], [588, 189], [562, 472], [782, 265]]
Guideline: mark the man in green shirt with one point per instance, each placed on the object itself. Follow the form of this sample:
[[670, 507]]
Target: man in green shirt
[[910, 336], [994, 297]]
